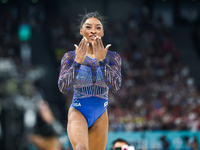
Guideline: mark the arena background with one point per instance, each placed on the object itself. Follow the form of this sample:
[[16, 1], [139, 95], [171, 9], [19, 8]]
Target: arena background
[[158, 106]]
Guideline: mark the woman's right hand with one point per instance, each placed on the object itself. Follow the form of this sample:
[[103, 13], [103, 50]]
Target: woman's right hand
[[81, 50]]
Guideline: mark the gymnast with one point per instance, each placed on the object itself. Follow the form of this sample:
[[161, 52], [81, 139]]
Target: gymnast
[[91, 70]]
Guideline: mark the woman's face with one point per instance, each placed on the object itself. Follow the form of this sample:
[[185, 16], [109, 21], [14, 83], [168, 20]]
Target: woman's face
[[92, 28]]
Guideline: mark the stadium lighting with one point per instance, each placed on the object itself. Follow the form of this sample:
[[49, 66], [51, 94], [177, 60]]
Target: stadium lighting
[[24, 32], [4, 1], [34, 1]]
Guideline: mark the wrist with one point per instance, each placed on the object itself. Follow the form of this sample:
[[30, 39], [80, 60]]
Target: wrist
[[101, 59], [76, 64], [103, 62], [78, 60]]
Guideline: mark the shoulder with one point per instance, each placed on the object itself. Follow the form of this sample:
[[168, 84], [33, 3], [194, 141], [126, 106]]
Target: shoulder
[[113, 55], [68, 56], [69, 53]]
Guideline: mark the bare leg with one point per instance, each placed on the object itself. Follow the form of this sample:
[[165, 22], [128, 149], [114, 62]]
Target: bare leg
[[98, 133], [77, 129]]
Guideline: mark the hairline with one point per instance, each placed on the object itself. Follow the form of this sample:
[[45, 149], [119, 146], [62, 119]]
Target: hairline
[[119, 140], [90, 24]]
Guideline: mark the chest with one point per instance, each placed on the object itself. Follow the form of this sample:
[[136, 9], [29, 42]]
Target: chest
[[90, 73]]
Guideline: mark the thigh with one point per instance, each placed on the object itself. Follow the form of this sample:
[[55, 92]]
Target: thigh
[[98, 133], [77, 129]]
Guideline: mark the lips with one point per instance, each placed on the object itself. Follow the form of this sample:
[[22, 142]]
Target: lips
[[93, 37]]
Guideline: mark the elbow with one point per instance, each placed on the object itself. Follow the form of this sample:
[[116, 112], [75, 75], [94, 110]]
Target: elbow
[[61, 87], [116, 89], [63, 91]]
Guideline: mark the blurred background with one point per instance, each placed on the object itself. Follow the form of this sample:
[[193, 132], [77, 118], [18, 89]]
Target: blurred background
[[158, 40]]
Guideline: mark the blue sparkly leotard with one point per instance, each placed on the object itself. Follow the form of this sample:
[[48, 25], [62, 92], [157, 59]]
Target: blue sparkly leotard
[[91, 81]]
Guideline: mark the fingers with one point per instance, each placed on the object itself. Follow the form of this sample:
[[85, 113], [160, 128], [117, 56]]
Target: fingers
[[87, 47], [101, 43], [97, 44], [107, 47], [76, 46], [83, 44], [94, 47]]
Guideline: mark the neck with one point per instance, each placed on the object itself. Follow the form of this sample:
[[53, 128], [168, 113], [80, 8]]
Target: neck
[[90, 51]]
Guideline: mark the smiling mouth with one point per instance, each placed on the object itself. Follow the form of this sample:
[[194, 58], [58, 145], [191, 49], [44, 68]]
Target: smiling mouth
[[93, 37]]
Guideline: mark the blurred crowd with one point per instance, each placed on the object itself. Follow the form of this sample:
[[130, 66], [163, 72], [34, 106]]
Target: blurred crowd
[[9, 51], [158, 92], [196, 34], [17, 73], [9, 42], [19, 94]]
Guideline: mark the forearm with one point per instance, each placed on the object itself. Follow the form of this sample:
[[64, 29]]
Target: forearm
[[52, 144], [112, 75], [45, 143], [67, 77]]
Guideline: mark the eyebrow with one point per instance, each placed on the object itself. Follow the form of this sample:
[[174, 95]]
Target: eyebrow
[[90, 24]]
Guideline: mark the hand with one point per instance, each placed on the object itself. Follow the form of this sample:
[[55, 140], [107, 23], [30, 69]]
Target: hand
[[81, 50], [45, 143], [99, 50], [46, 112]]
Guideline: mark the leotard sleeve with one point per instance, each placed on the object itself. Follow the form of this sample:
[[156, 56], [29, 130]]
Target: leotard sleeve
[[111, 69], [68, 72]]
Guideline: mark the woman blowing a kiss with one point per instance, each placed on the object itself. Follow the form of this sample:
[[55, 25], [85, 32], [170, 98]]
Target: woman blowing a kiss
[[91, 70]]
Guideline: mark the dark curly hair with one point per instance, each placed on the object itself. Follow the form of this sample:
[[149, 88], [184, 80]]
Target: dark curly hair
[[90, 15]]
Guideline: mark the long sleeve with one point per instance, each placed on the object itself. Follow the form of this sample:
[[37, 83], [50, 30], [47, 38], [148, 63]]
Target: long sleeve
[[111, 69], [68, 72]]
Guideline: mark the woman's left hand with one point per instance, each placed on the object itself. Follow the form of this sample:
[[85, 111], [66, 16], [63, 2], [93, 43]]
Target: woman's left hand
[[99, 50]]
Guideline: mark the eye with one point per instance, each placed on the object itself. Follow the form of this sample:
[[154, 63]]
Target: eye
[[99, 28], [88, 27]]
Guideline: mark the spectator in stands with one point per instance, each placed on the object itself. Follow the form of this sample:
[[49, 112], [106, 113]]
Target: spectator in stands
[[118, 143], [46, 142]]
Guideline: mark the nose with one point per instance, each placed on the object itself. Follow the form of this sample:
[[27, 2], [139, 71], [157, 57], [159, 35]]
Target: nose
[[93, 31]]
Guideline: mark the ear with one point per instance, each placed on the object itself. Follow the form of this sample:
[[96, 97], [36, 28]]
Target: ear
[[102, 33], [81, 31]]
